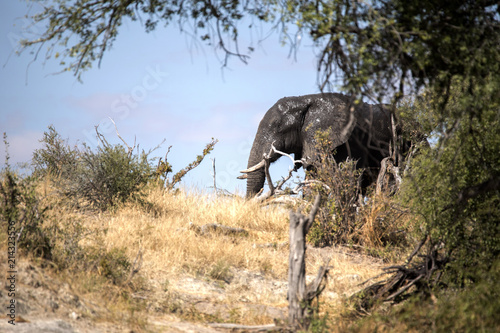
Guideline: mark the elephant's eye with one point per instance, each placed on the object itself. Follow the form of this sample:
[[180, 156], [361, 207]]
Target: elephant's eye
[[275, 124]]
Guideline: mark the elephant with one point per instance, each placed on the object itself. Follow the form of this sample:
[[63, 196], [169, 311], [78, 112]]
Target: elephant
[[360, 131]]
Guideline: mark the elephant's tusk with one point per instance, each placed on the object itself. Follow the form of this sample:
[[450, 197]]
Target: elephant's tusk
[[242, 177], [255, 167]]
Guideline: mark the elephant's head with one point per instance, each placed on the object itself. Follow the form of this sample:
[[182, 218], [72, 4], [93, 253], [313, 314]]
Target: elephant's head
[[292, 123]]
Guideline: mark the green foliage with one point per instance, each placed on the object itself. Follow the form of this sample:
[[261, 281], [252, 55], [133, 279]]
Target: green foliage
[[382, 47], [23, 214], [455, 186], [471, 309], [56, 157], [335, 222], [86, 29], [111, 175], [164, 168], [102, 178]]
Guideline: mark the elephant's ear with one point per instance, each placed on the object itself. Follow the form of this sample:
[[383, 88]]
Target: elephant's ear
[[333, 113]]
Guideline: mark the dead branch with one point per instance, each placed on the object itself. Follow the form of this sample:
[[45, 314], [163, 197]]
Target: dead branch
[[387, 168], [301, 161], [272, 189], [101, 137], [130, 149], [300, 296], [214, 175], [402, 279], [316, 287], [268, 175], [246, 328], [417, 249], [177, 177]]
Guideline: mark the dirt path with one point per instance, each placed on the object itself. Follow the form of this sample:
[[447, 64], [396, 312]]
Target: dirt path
[[50, 305]]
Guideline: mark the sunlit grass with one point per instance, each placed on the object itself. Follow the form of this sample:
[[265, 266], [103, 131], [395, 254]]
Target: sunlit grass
[[247, 271]]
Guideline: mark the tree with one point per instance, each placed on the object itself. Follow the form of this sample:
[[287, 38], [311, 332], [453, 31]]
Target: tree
[[380, 48], [86, 29]]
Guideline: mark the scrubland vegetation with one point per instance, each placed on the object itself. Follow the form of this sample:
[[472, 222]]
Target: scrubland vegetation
[[120, 229], [116, 225]]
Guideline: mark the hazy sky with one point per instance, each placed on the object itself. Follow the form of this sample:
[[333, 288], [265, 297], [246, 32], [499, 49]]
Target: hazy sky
[[161, 85]]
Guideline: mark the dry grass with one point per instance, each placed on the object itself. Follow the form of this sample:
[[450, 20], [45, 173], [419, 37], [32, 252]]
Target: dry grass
[[170, 247], [214, 277]]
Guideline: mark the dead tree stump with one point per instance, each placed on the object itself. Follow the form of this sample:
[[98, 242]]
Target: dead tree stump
[[301, 296]]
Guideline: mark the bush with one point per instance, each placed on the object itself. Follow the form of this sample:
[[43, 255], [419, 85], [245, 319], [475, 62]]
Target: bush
[[100, 179], [104, 177], [343, 218], [23, 214], [474, 308], [336, 220], [339, 185], [56, 158], [21, 208], [110, 175], [455, 185]]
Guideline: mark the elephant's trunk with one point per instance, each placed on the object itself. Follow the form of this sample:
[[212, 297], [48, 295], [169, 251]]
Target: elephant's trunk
[[255, 179]]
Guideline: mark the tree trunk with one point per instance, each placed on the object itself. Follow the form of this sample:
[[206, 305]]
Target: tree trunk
[[300, 297]]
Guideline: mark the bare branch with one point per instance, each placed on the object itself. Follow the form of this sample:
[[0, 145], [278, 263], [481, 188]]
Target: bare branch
[[278, 189], [268, 175], [300, 296], [301, 161], [214, 174], [246, 328], [130, 149]]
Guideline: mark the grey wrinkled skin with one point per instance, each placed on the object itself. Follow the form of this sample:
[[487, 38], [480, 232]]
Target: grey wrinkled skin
[[362, 132]]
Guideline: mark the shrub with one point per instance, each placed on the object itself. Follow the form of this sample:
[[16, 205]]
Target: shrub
[[100, 179], [336, 220], [106, 176], [455, 185], [339, 184], [164, 168], [56, 157], [347, 216], [23, 214], [110, 175]]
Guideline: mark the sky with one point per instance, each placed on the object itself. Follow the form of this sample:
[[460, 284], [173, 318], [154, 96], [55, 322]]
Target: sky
[[155, 86]]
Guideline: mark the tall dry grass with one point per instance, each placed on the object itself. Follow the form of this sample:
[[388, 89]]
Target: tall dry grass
[[170, 246], [249, 268]]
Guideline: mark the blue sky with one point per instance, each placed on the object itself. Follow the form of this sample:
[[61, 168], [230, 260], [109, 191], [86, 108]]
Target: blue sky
[[161, 85]]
